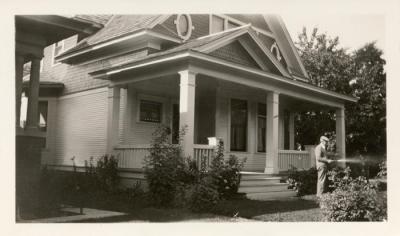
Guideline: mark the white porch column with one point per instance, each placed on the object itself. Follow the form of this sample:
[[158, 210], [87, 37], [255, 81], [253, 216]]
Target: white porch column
[[113, 118], [340, 133], [187, 109], [19, 71], [271, 165], [33, 103], [291, 130]]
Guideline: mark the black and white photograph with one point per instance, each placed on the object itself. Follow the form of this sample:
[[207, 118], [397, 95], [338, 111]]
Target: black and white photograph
[[213, 117]]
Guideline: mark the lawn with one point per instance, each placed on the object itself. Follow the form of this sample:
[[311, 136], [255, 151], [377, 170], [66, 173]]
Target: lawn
[[292, 209], [237, 210]]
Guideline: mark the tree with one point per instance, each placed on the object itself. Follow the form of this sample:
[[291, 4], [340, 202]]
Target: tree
[[366, 123], [329, 66], [359, 74]]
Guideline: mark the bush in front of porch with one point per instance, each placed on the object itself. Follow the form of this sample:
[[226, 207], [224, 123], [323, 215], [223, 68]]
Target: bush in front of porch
[[304, 182], [178, 181]]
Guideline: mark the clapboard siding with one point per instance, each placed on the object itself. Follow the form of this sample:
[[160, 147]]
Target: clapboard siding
[[49, 150], [139, 132], [81, 127], [122, 115]]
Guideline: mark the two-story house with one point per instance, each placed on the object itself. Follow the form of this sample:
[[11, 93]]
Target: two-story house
[[234, 77]]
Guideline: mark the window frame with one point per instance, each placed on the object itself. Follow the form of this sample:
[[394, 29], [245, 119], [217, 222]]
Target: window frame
[[160, 111], [150, 98]]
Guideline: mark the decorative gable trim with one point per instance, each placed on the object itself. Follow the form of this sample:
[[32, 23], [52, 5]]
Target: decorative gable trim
[[234, 36], [278, 27], [254, 55]]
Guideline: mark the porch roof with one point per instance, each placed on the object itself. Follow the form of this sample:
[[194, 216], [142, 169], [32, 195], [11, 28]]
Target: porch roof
[[187, 53]]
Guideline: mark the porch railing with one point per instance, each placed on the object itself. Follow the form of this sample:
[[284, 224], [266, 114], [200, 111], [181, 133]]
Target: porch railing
[[203, 154], [291, 158], [131, 156]]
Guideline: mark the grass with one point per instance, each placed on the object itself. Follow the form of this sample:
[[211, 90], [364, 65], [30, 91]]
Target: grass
[[291, 209], [237, 210]]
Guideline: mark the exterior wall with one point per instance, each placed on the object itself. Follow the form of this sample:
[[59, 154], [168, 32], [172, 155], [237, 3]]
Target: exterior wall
[[49, 149], [255, 161], [235, 52], [138, 132], [81, 127], [200, 23], [76, 77]]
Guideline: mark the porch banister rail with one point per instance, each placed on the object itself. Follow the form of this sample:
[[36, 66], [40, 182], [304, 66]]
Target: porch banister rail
[[291, 158], [203, 153], [131, 156]]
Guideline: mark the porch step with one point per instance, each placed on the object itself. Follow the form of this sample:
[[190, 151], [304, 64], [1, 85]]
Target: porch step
[[261, 186], [266, 188], [259, 182], [271, 195], [259, 176]]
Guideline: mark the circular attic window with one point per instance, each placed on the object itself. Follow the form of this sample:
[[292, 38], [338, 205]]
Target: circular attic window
[[184, 26]]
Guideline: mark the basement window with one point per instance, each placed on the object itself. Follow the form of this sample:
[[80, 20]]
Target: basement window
[[150, 111]]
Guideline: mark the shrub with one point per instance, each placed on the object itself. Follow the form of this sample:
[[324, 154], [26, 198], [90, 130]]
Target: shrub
[[175, 180], [203, 196], [382, 174], [166, 169], [226, 173], [353, 199], [303, 182], [107, 173]]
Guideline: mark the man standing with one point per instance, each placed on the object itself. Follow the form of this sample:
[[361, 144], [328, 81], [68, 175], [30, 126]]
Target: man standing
[[322, 164]]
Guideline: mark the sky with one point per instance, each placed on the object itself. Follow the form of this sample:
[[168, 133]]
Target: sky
[[353, 30]]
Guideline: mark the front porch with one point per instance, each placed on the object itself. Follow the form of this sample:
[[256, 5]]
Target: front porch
[[262, 130], [131, 157]]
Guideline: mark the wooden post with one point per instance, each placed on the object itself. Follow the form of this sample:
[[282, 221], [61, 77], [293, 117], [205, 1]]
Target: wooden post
[[33, 100], [19, 71], [113, 118], [187, 109], [271, 165], [291, 131], [340, 133]]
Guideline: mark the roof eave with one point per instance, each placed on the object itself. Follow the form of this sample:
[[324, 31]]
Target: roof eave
[[67, 56], [105, 73]]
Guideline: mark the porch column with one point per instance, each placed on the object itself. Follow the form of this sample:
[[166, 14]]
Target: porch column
[[291, 130], [113, 118], [33, 99], [340, 133], [271, 165], [187, 109], [19, 71]]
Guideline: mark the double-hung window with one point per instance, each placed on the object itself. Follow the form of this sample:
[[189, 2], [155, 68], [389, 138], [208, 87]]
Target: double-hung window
[[261, 127], [238, 125]]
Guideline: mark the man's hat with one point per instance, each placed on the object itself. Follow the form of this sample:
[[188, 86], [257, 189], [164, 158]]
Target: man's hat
[[323, 138]]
